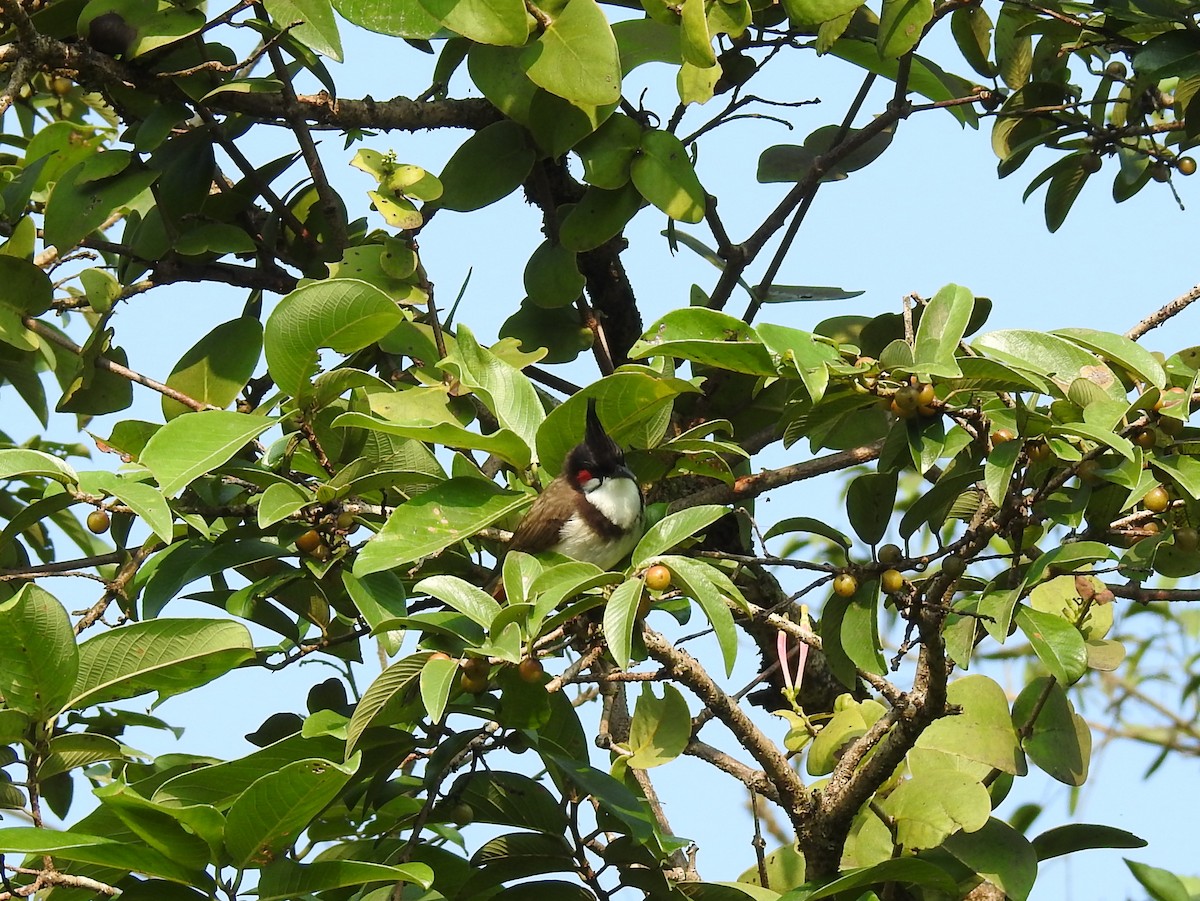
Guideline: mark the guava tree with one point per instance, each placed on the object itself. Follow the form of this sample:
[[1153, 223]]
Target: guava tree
[[337, 469]]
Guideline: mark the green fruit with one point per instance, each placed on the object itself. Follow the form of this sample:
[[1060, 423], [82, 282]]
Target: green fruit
[[1145, 438], [98, 521], [1157, 499], [461, 814], [1187, 539], [1091, 163], [954, 566], [890, 554], [906, 399], [1116, 69], [1160, 172]]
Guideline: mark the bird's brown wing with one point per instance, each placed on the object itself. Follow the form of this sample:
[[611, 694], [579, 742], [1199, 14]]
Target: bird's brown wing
[[542, 525]]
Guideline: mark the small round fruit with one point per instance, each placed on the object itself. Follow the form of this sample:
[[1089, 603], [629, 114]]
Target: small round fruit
[[439, 655], [1089, 472], [1091, 163], [530, 670], [473, 685], [1116, 69], [658, 578], [1151, 527], [1170, 426], [461, 814], [309, 542], [1160, 172], [1187, 539], [1145, 438], [517, 742], [345, 521], [98, 521], [1186, 165], [925, 395], [1157, 499], [1001, 435], [60, 86], [954, 566], [892, 581], [844, 585], [890, 554], [907, 399], [1038, 452]]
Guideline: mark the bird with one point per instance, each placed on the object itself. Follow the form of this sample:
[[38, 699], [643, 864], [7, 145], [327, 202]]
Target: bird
[[593, 510]]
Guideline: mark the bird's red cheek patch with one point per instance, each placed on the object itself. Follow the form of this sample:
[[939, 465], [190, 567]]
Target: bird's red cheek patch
[[583, 477]]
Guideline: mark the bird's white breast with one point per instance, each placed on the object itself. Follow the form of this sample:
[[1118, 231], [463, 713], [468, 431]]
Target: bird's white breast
[[621, 503]]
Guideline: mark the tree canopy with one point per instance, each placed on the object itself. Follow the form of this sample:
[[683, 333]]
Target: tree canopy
[[335, 471]]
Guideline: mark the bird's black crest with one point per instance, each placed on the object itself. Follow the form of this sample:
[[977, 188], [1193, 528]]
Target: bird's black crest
[[597, 453]]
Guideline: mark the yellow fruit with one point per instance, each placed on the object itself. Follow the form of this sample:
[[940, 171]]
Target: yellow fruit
[[1001, 435], [98, 521], [1186, 165], [892, 581], [309, 542], [658, 578], [844, 585]]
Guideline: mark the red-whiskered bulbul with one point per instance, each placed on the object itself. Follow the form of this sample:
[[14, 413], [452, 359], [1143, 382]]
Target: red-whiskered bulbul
[[592, 511]]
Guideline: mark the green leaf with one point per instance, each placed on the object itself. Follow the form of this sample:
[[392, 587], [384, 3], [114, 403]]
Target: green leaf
[[675, 528], [709, 587], [488, 166], [942, 326], [1061, 742], [972, 30], [144, 500], [814, 12], [502, 22], [552, 276], [808, 524], [314, 25], [391, 686], [216, 368], [1067, 557], [340, 313], [982, 732], [462, 596], [74, 846], [869, 502], [504, 389], [1048, 355], [1162, 885], [695, 43], [268, 816], [663, 174], [432, 521], [933, 805], [800, 352], [509, 799], [576, 56], [190, 836], [40, 658], [598, 217], [169, 656], [909, 870], [25, 290], [437, 679], [620, 617], [219, 784], [76, 749], [706, 336], [403, 18], [279, 501], [79, 205], [1002, 856], [608, 152], [612, 795], [901, 24], [851, 720], [1074, 837], [284, 879], [660, 729], [21, 462], [1131, 356], [1056, 642], [193, 445], [998, 470]]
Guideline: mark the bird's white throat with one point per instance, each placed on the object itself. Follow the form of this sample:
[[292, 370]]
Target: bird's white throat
[[619, 500], [621, 503]]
